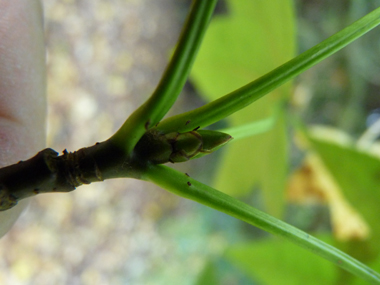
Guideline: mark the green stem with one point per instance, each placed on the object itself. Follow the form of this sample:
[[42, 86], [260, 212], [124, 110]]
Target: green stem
[[47, 172], [173, 79], [182, 185], [253, 128], [236, 100]]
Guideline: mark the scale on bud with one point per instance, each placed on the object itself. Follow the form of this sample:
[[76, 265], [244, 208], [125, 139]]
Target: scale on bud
[[179, 147]]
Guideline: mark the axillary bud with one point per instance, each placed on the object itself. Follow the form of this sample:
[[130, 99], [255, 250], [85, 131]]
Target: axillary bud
[[175, 147]]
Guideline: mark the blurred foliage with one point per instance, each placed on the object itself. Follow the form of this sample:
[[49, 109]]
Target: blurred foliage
[[272, 261], [357, 172], [238, 48], [335, 92], [342, 90]]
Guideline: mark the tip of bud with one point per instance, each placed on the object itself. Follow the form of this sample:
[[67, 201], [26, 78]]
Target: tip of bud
[[213, 140]]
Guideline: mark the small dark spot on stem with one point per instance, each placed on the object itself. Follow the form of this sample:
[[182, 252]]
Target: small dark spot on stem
[[147, 124], [188, 183], [188, 122], [196, 128], [187, 174]]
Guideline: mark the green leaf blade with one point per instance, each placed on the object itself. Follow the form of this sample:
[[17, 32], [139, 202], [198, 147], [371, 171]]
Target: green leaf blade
[[357, 173], [292, 265]]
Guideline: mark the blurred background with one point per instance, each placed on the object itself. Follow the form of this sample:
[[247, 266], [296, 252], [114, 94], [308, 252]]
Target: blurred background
[[104, 59]]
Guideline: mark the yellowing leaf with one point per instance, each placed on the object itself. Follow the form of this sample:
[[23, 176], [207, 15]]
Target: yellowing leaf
[[313, 183], [357, 172]]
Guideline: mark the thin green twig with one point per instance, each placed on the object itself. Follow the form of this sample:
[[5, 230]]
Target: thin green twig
[[254, 128], [250, 129], [173, 80], [184, 186], [236, 100]]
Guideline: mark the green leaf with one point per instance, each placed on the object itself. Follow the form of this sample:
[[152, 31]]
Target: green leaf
[[208, 275], [358, 175], [253, 38], [275, 262]]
